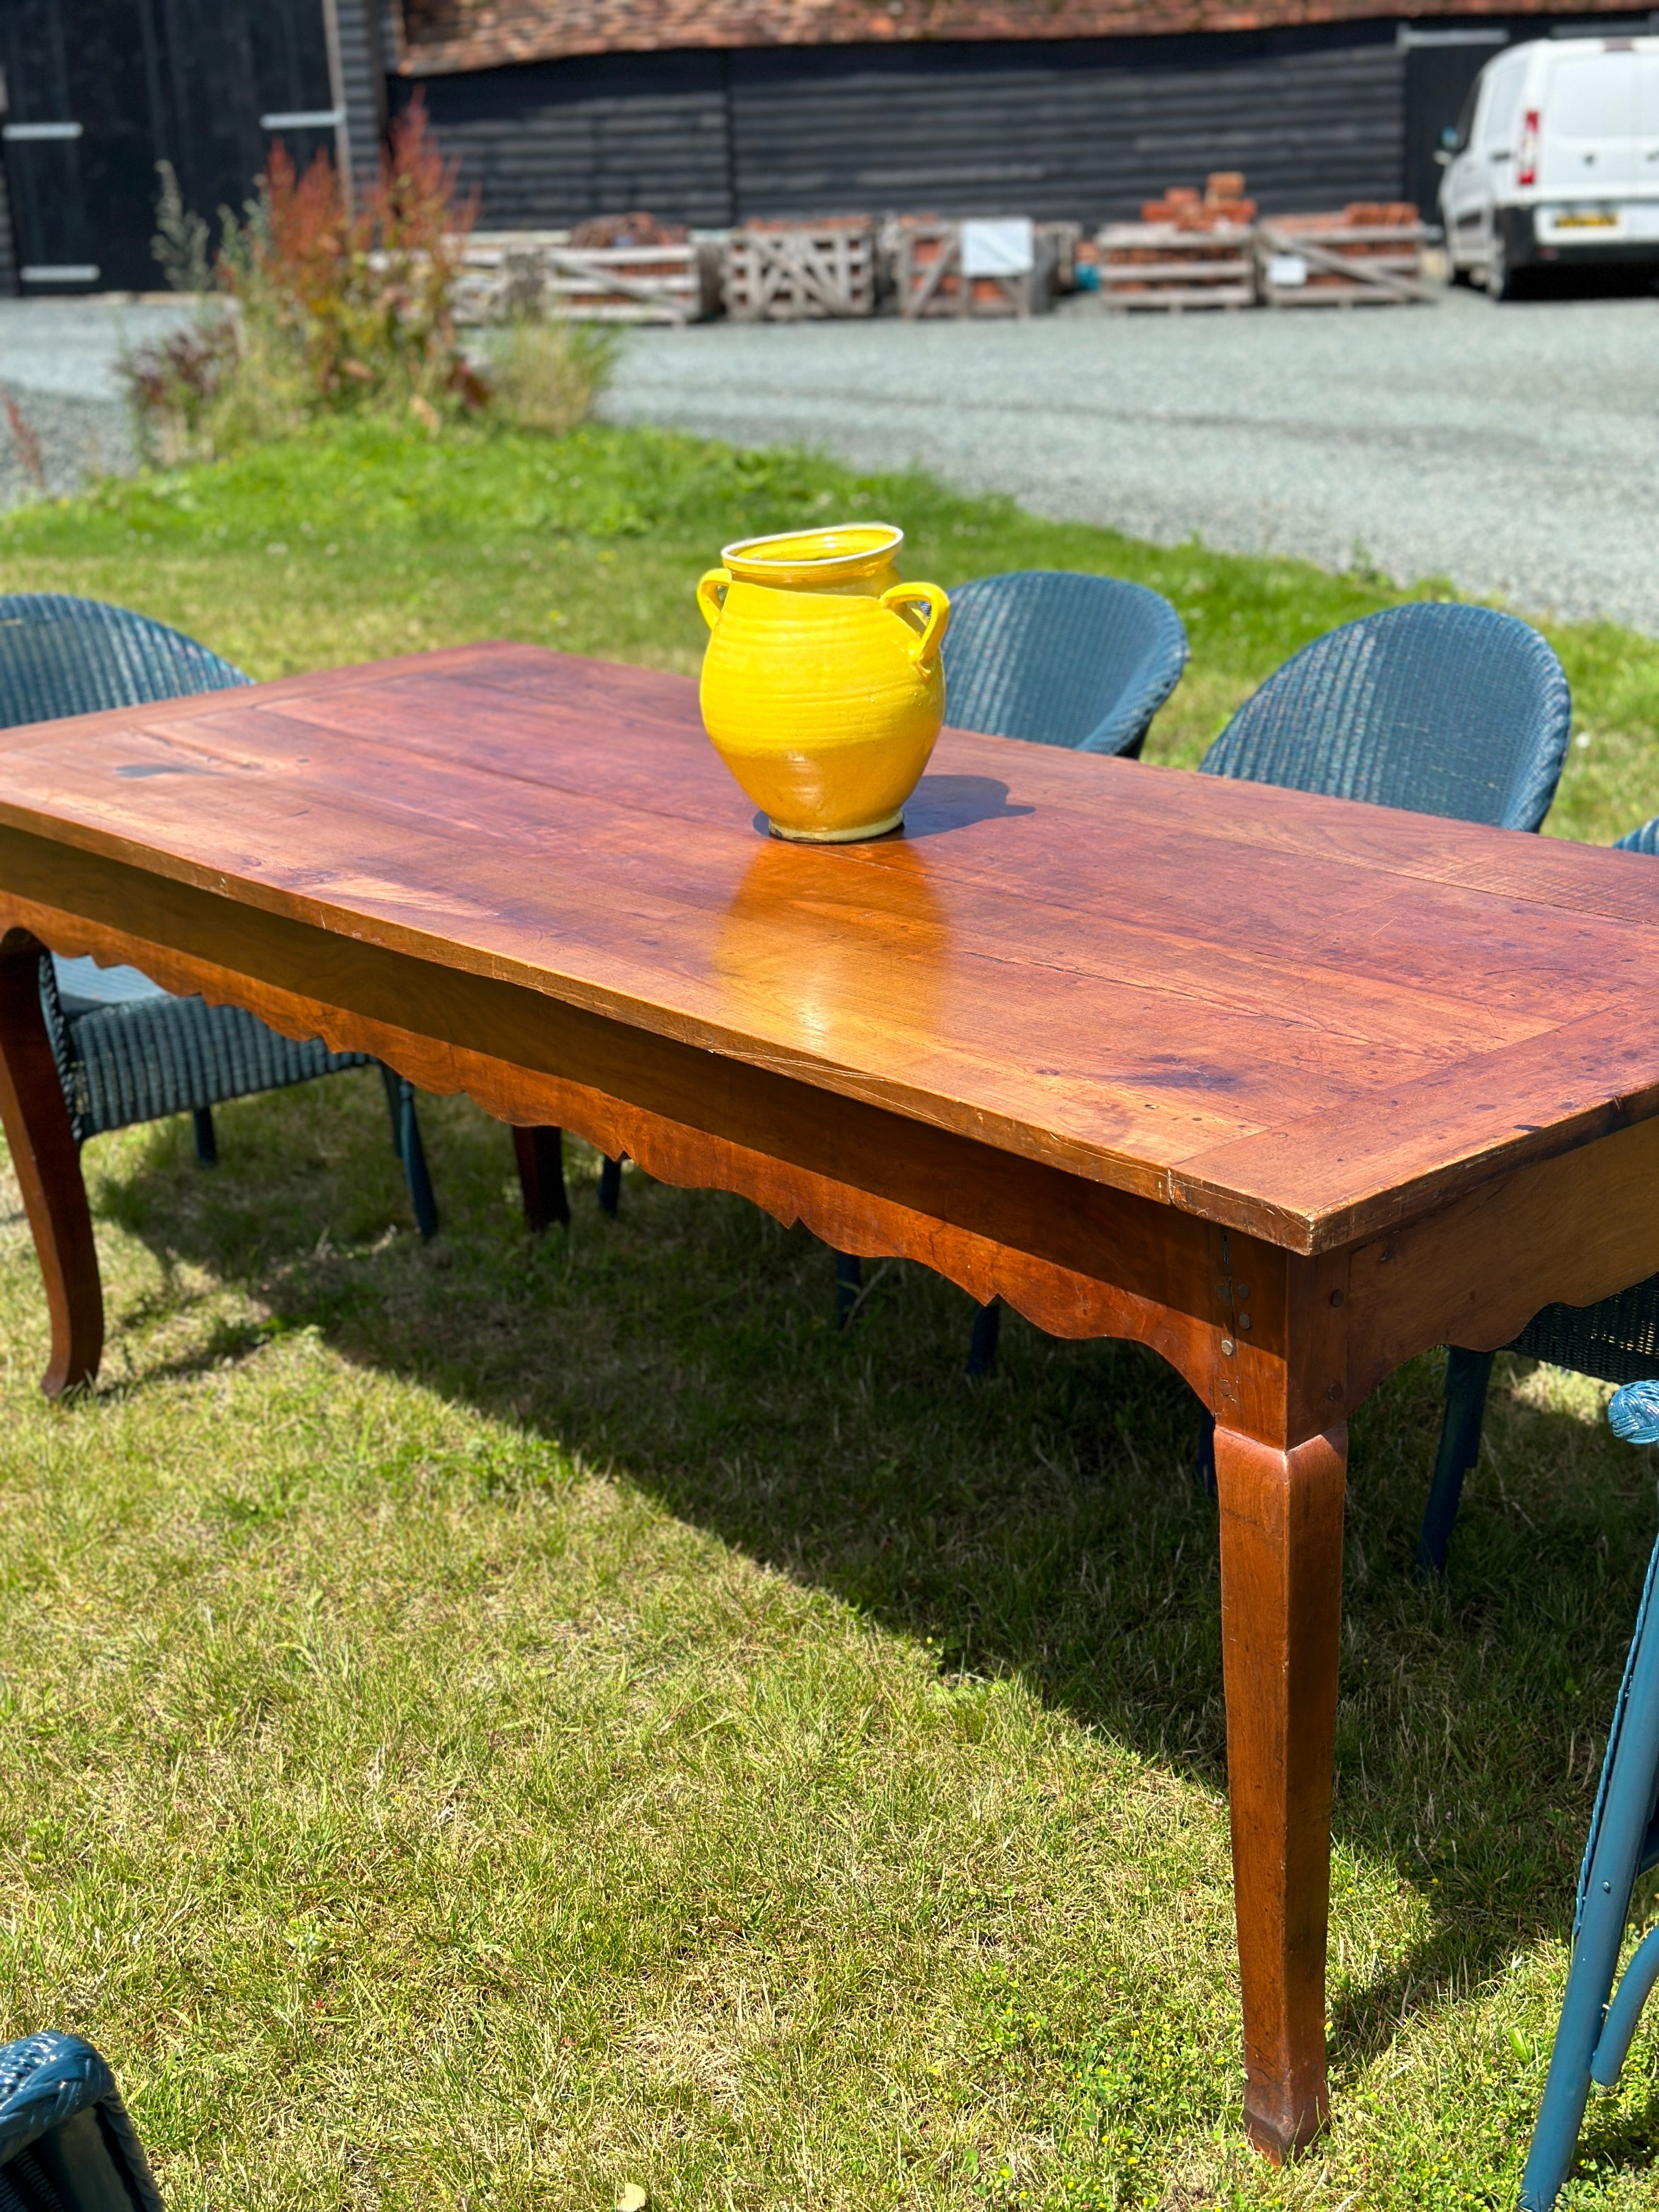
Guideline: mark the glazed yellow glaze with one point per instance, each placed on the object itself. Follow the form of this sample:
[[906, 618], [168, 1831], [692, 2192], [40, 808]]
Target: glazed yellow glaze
[[822, 689]]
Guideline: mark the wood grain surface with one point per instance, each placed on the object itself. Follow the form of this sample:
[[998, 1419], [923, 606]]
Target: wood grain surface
[[1305, 1018]]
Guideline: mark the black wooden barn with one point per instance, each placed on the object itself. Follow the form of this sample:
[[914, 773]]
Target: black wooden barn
[[97, 92]]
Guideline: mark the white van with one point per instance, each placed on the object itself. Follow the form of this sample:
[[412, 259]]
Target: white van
[[1555, 159]]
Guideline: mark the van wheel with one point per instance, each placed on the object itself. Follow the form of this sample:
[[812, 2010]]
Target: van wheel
[[1502, 280]]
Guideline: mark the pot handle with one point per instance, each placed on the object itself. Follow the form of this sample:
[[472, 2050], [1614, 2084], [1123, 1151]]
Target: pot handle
[[709, 588], [926, 649]]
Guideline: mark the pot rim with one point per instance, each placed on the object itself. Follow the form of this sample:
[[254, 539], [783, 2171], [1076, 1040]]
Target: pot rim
[[749, 552]]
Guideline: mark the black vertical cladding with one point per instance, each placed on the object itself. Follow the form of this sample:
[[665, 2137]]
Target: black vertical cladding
[[232, 62], [545, 143], [1078, 128], [184, 81], [8, 242], [71, 197]]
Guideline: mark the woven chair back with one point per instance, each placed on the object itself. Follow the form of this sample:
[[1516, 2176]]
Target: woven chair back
[[60, 655], [1617, 1339], [1439, 709], [1060, 659]]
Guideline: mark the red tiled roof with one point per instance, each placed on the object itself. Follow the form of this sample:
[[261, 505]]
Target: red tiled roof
[[441, 36]]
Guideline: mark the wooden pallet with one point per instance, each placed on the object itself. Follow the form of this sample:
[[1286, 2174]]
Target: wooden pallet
[[798, 273], [1168, 268], [531, 272], [925, 255], [1346, 264], [1057, 252]]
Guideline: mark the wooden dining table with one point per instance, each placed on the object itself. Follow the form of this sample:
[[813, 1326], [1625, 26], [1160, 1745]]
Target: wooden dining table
[[1287, 1088]]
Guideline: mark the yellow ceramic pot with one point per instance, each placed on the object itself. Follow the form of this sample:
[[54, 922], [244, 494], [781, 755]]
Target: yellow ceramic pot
[[822, 689]]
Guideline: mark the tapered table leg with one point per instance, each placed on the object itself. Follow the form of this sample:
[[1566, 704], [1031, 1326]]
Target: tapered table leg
[[1281, 1587], [48, 1166]]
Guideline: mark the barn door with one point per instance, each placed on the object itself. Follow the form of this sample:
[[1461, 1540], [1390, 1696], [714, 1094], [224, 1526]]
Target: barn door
[[57, 142], [99, 91]]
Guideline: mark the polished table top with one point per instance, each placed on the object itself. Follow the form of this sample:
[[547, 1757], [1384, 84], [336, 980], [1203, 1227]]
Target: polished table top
[[1304, 1017]]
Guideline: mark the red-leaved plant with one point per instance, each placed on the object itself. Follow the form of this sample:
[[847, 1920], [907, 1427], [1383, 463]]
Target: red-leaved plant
[[365, 294], [323, 307]]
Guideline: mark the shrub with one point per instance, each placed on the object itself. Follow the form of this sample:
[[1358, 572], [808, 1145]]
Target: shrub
[[172, 383], [320, 308], [177, 386], [546, 374], [363, 298]]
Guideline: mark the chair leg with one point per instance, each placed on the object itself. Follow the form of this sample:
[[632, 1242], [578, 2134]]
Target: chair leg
[[206, 1143], [1620, 1829], [849, 1282], [982, 1344], [1204, 1464], [611, 1188], [406, 1143], [394, 1104], [540, 1156], [1467, 1374]]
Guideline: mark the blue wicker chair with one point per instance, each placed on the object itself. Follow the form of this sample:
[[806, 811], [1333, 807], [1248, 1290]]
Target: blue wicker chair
[[1060, 659], [1597, 2026], [1057, 659], [1437, 709], [1616, 1341], [66, 2144], [127, 1050]]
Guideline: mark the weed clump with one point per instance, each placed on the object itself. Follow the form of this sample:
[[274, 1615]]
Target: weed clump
[[545, 373], [314, 306]]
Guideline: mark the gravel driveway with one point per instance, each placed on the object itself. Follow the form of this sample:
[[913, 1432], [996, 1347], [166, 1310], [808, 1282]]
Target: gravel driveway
[[58, 361], [1514, 449]]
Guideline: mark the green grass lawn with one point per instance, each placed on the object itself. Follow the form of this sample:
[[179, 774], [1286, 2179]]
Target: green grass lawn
[[490, 1721]]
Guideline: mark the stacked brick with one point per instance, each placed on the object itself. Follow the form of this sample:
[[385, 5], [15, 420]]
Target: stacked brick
[[1222, 203], [1190, 249], [604, 232]]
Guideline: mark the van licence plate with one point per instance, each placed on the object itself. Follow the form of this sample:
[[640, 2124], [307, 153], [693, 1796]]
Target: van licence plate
[[1588, 220]]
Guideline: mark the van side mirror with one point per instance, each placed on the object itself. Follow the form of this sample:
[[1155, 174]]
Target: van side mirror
[[1443, 157]]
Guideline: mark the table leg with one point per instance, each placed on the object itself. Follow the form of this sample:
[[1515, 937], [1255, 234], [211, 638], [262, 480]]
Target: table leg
[[48, 1166], [1281, 1589]]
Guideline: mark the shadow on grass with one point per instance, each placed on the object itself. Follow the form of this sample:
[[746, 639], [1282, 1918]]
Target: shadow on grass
[[1045, 1521]]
